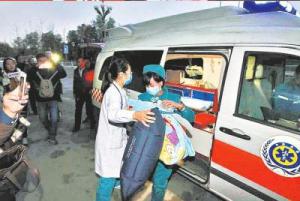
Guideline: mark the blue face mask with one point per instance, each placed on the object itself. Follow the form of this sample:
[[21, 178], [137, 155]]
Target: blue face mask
[[153, 90], [129, 80]]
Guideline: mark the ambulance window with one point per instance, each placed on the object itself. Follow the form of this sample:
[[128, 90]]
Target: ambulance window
[[192, 68], [270, 90], [104, 68], [197, 78], [137, 60], [195, 69]]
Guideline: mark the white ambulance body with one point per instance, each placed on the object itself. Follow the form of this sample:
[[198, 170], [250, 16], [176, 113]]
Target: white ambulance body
[[248, 140]]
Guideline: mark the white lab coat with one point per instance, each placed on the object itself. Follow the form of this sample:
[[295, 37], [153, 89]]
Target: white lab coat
[[111, 138]]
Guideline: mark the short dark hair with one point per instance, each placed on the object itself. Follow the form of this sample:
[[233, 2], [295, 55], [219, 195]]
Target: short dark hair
[[7, 59], [147, 77], [40, 55]]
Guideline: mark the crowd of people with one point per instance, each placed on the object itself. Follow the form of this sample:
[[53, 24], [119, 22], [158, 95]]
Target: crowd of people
[[43, 90], [44, 77]]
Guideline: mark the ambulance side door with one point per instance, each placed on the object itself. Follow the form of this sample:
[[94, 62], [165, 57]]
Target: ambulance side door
[[256, 147]]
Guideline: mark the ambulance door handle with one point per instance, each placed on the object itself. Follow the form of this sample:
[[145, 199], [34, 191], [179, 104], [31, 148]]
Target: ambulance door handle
[[235, 134]]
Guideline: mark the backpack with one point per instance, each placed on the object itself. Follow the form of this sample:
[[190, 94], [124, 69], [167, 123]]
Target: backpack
[[46, 88]]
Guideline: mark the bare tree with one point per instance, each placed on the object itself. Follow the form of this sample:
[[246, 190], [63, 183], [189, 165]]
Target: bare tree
[[102, 22]]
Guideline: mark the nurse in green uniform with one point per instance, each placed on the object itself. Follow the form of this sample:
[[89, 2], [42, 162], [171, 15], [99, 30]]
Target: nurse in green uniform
[[154, 80]]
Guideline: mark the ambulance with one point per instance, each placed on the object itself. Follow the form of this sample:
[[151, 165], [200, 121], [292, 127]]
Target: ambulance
[[239, 72]]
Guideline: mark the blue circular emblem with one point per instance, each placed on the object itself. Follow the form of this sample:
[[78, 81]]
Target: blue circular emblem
[[284, 155], [281, 154]]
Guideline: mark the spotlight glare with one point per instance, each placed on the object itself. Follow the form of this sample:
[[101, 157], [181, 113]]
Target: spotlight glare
[[56, 58]]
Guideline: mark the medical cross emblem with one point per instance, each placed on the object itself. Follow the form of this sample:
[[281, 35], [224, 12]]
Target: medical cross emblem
[[285, 155], [281, 154]]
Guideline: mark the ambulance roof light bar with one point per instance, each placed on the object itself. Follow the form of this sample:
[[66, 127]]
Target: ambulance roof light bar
[[270, 6]]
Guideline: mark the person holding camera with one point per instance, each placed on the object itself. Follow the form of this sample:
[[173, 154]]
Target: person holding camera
[[9, 112], [10, 73]]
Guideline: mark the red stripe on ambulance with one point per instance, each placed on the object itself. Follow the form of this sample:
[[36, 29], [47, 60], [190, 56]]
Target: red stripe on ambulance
[[252, 167]]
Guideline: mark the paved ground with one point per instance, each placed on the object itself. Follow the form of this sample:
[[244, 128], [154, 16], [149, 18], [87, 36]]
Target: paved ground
[[67, 169]]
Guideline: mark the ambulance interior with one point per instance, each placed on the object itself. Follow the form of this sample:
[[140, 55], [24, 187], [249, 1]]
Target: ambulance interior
[[197, 78]]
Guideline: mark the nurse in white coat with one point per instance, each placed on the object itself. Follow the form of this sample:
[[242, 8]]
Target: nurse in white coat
[[111, 136]]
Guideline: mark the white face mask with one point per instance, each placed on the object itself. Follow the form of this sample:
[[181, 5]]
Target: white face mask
[[128, 80], [153, 90]]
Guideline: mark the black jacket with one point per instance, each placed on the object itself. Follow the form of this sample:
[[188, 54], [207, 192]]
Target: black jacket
[[46, 74], [80, 86]]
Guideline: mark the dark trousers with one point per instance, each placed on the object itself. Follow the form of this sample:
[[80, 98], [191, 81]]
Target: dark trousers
[[32, 101], [79, 101], [7, 196]]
